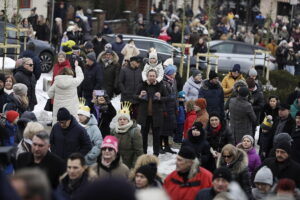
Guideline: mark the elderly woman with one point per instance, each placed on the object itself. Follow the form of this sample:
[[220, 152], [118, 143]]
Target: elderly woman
[[109, 162], [129, 137], [64, 91], [236, 160], [24, 74], [62, 63]]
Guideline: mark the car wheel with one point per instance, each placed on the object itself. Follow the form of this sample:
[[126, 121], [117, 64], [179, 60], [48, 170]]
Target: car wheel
[[46, 61]]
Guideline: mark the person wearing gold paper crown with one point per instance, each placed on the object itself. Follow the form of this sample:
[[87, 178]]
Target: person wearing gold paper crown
[[89, 122], [129, 136]]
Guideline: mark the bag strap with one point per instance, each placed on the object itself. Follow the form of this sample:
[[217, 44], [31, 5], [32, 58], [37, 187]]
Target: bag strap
[[187, 184]]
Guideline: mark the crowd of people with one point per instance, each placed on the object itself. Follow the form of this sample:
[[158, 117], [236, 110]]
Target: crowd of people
[[94, 150]]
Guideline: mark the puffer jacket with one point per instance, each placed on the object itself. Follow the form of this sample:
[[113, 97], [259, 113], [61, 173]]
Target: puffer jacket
[[130, 144], [191, 89], [253, 159], [228, 82], [96, 139]]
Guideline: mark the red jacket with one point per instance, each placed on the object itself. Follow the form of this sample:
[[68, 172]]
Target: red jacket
[[189, 121], [178, 190], [58, 67]]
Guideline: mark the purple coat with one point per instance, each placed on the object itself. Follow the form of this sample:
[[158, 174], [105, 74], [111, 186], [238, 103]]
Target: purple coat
[[254, 160]]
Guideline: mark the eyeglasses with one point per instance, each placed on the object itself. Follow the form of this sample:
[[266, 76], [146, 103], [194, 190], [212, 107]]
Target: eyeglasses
[[31, 65], [227, 156], [107, 148]]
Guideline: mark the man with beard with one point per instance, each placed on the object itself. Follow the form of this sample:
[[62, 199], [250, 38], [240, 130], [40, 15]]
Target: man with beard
[[282, 166]]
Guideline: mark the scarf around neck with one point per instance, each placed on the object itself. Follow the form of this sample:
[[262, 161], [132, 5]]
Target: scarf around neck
[[124, 128]]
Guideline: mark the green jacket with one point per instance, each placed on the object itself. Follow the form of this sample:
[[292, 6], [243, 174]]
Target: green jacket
[[130, 144], [294, 108]]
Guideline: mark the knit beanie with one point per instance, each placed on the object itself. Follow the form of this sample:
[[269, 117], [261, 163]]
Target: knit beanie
[[110, 142], [236, 68], [198, 126], [267, 123], [181, 94], [89, 45], [187, 152], [284, 146], [212, 75], [120, 36], [243, 91], [250, 82], [195, 72], [201, 102], [252, 72], [264, 175], [153, 55], [215, 114], [63, 114], [149, 171], [11, 116], [91, 56], [248, 137], [84, 110], [222, 172], [20, 89], [282, 137], [170, 69]]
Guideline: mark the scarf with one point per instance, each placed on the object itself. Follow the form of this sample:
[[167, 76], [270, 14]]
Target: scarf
[[216, 130], [124, 128]]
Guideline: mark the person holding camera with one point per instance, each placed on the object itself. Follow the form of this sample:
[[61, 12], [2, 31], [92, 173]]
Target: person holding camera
[[151, 94], [62, 62]]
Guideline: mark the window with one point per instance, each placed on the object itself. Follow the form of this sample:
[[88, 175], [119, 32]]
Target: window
[[244, 49], [25, 3], [223, 48], [161, 48]]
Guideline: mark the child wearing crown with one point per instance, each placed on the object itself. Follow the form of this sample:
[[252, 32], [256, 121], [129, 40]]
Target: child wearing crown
[[129, 136]]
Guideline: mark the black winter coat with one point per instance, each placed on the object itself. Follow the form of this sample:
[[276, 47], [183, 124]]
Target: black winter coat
[[14, 104], [26, 77], [99, 46], [129, 80], [201, 148], [288, 169], [110, 77], [296, 145], [170, 107], [267, 110], [51, 164], [219, 140], [37, 71], [287, 128], [104, 115], [93, 80], [42, 32], [207, 194], [214, 97], [258, 102], [3, 99], [157, 105], [70, 140]]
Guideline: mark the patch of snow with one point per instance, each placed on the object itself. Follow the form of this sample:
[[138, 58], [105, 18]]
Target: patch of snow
[[8, 63]]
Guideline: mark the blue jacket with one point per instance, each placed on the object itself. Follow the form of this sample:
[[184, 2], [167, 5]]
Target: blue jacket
[[181, 113], [37, 70], [9, 140], [70, 140], [214, 97]]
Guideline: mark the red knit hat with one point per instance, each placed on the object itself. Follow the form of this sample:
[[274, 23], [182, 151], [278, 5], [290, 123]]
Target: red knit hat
[[110, 142], [11, 116], [201, 102]]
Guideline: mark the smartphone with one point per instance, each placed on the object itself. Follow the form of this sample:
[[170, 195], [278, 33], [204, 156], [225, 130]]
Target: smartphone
[[99, 92]]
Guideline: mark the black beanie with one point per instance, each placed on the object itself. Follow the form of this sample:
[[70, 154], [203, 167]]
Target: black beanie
[[195, 72], [222, 172], [149, 171], [198, 126], [187, 152], [215, 114], [212, 75], [286, 146], [63, 114], [243, 91]]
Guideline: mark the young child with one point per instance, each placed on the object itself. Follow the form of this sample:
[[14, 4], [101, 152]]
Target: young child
[[247, 145], [190, 117], [180, 117], [265, 137], [153, 64]]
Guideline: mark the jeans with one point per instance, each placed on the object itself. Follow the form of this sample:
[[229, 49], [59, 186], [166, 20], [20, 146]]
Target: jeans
[[155, 133], [290, 68]]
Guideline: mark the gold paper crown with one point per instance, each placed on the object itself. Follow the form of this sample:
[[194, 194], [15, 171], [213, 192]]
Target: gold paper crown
[[125, 108], [81, 102]]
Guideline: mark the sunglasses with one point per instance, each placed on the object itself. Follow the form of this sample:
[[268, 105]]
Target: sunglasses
[[31, 65], [107, 148], [227, 156]]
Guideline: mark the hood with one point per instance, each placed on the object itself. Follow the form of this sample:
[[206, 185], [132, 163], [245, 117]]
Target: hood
[[207, 85], [238, 164], [196, 139], [239, 83], [92, 121], [249, 152], [192, 82], [296, 104], [64, 81], [115, 57]]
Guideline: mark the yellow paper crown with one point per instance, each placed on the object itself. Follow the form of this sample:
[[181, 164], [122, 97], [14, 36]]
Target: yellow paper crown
[[125, 108], [81, 102]]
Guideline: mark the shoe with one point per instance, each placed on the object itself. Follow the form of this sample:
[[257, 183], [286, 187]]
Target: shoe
[[169, 150], [161, 151]]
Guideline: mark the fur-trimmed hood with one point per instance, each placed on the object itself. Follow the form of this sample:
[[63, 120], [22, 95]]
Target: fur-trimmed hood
[[239, 164], [115, 57]]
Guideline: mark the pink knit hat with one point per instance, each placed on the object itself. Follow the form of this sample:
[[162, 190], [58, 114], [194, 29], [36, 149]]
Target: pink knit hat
[[110, 142]]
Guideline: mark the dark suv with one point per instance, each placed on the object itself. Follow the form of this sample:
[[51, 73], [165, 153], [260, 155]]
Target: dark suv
[[43, 49]]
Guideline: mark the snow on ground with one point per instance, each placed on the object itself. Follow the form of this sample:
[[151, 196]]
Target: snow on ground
[[167, 160]]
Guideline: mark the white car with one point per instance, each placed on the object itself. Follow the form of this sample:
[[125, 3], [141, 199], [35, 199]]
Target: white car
[[234, 52]]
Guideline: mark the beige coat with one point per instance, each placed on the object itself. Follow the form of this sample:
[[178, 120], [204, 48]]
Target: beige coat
[[129, 51]]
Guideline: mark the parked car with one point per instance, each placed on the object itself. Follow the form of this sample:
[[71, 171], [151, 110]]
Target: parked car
[[234, 52], [164, 49], [43, 49]]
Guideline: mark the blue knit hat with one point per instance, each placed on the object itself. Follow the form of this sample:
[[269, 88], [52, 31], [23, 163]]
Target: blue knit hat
[[181, 94], [170, 69]]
